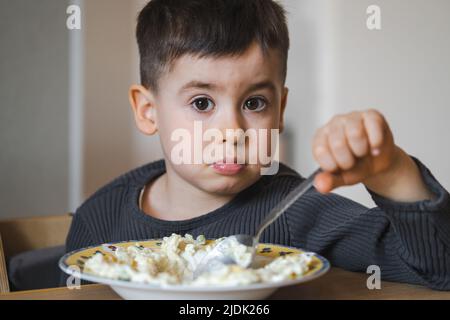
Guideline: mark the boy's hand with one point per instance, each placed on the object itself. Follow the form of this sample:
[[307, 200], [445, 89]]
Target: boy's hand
[[359, 147]]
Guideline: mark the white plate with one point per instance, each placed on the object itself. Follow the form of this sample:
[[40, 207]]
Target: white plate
[[72, 264]]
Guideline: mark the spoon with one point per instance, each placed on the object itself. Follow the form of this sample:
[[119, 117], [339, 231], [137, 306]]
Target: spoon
[[220, 254]]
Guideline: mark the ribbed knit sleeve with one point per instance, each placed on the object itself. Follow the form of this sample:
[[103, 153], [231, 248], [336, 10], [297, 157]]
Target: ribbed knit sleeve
[[408, 241], [79, 236]]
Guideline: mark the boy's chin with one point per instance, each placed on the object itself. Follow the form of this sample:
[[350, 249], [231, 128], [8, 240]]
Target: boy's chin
[[226, 188]]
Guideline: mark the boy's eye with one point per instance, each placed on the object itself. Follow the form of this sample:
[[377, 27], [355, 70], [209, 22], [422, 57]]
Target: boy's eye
[[203, 104], [255, 104]]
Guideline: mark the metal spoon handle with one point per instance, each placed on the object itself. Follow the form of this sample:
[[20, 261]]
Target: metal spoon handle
[[296, 193]]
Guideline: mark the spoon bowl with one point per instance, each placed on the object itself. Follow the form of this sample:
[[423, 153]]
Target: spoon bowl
[[220, 255]]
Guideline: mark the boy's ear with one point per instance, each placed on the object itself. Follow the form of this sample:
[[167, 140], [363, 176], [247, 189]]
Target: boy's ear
[[283, 107], [144, 109]]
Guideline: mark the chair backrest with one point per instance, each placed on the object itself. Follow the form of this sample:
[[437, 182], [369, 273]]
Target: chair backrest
[[23, 234], [4, 285]]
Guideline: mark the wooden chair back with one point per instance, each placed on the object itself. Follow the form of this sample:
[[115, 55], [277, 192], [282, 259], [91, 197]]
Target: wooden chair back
[[24, 234]]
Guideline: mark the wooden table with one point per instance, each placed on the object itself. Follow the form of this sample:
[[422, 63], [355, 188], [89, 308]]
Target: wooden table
[[336, 284]]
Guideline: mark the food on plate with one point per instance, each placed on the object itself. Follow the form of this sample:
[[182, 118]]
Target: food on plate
[[175, 260]]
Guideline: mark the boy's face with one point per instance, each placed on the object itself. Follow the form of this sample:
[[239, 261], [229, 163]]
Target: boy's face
[[240, 92]]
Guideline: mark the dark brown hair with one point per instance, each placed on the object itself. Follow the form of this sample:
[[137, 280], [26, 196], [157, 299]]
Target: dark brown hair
[[169, 29]]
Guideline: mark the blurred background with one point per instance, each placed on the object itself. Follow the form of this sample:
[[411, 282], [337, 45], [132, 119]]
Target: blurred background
[[66, 127]]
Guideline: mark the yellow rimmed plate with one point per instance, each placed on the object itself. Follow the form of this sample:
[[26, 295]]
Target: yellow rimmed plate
[[72, 263]]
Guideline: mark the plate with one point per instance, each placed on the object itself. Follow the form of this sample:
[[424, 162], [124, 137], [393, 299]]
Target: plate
[[72, 263]]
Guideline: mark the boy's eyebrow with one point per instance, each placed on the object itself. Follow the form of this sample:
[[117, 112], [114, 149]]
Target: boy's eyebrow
[[195, 84], [263, 85]]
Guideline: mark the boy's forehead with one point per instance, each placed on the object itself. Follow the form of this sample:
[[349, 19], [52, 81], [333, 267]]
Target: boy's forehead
[[239, 70]]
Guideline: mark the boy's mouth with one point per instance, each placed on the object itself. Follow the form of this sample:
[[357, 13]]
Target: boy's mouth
[[227, 169]]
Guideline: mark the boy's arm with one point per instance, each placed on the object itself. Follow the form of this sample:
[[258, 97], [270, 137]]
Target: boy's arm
[[408, 234], [410, 242]]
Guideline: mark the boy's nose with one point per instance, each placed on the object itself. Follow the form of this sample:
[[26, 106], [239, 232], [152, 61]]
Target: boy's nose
[[232, 127]]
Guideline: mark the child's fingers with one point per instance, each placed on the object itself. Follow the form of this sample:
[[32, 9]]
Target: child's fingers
[[356, 135], [322, 153], [348, 141], [323, 182], [339, 147], [327, 181], [375, 125]]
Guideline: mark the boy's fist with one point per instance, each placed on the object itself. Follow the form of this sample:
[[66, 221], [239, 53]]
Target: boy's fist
[[356, 147]]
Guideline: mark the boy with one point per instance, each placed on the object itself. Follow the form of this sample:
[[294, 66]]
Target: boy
[[223, 63]]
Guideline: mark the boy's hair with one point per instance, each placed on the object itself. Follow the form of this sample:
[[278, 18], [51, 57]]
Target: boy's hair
[[169, 29]]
